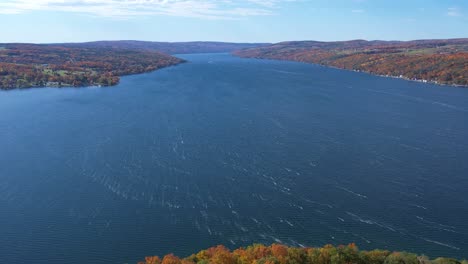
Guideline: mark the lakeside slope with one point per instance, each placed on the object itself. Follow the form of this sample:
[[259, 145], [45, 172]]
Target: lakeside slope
[[31, 65], [436, 61]]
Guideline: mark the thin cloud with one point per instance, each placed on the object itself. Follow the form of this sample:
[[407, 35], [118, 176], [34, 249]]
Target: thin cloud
[[269, 3], [204, 9], [453, 11]]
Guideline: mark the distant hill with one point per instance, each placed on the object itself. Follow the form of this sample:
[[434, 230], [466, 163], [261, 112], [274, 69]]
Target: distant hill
[[280, 254], [168, 47], [442, 61]]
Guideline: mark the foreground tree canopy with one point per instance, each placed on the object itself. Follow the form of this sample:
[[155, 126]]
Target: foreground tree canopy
[[280, 254], [438, 61], [29, 65]]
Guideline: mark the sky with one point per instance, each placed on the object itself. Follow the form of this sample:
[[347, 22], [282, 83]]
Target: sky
[[53, 21]]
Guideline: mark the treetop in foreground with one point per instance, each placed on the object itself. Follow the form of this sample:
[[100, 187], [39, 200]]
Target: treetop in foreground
[[280, 254]]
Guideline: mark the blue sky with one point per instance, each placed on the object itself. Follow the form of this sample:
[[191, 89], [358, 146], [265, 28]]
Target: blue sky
[[46, 21]]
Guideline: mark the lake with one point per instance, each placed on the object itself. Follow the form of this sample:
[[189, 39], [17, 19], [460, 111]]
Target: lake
[[223, 150]]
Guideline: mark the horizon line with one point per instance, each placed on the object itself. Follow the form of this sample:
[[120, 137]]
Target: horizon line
[[227, 42]]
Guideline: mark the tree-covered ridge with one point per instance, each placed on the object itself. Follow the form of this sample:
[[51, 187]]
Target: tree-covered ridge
[[29, 65], [438, 61], [280, 254]]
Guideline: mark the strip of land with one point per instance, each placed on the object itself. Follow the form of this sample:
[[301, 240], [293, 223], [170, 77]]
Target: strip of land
[[436, 61], [29, 65]]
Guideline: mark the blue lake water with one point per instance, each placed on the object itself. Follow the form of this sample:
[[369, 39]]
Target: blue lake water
[[223, 150]]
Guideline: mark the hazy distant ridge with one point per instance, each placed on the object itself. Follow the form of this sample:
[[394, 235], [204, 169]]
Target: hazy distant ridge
[[169, 47]]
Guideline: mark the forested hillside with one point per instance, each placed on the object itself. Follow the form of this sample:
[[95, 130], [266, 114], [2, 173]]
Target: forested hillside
[[280, 254], [438, 61], [29, 65]]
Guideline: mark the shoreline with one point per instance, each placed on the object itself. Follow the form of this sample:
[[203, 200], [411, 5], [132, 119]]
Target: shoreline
[[401, 77], [94, 85]]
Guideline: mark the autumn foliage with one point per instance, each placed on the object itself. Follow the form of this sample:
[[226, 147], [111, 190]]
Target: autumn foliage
[[29, 65], [439, 61], [280, 254]]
